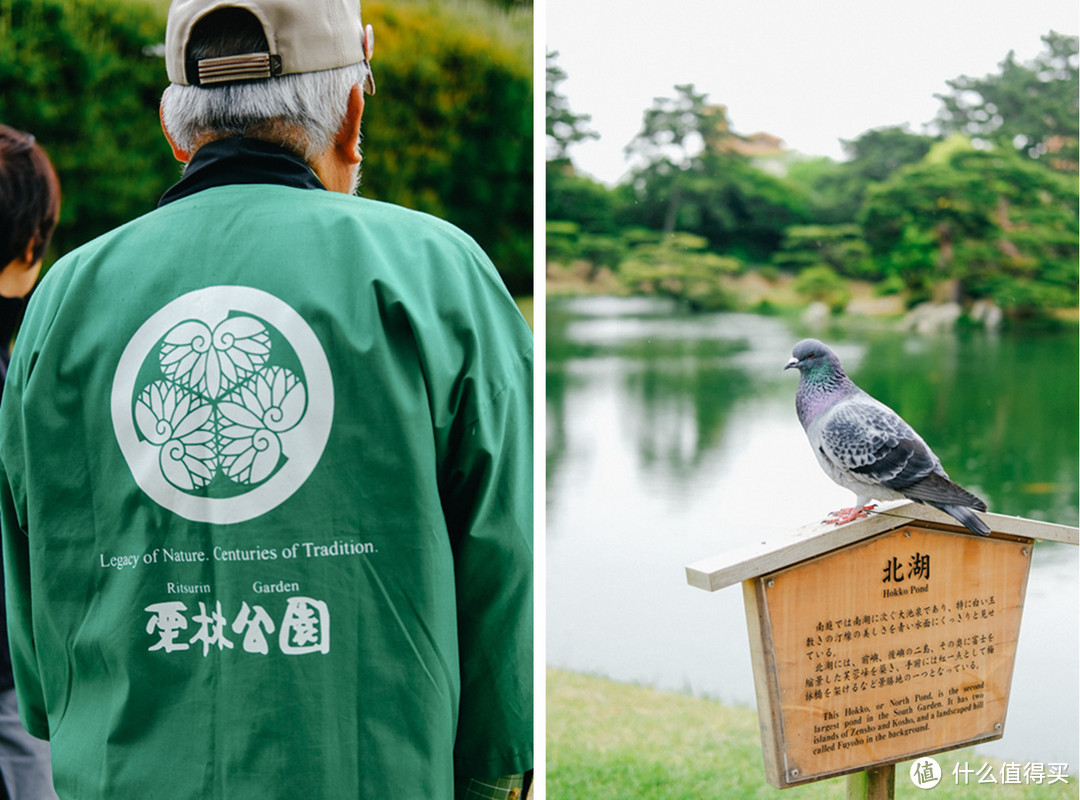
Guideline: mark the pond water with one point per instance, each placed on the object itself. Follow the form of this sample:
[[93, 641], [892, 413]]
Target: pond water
[[672, 437]]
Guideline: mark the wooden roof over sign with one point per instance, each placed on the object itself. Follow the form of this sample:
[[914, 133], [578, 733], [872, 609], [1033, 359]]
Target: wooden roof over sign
[[820, 538]]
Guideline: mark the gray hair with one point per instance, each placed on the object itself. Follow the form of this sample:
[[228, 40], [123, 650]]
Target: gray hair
[[300, 111]]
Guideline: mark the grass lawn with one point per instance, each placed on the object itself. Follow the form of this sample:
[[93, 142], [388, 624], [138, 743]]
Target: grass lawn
[[612, 740]]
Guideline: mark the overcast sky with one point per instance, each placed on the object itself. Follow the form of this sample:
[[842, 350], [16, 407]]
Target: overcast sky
[[811, 73]]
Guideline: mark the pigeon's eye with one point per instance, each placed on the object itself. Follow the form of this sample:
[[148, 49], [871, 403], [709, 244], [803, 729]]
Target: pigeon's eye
[[811, 355]]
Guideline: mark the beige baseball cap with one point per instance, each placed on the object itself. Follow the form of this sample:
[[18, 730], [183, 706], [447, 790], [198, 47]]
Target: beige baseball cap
[[304, 36]]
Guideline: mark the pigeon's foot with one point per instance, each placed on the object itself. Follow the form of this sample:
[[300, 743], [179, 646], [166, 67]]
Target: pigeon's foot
[[846, 515]]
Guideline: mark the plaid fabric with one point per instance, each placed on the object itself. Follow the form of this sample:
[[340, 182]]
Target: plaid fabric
[[508, 787]]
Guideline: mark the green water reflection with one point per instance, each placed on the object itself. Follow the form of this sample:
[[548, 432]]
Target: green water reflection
[[1000, 411], [673, 438]]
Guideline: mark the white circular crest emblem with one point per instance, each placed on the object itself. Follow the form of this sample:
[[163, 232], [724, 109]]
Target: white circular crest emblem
[[222, 404]]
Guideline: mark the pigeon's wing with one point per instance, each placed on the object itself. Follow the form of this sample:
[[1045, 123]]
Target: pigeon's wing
[[937, 490], [873, 443], [870, 440]]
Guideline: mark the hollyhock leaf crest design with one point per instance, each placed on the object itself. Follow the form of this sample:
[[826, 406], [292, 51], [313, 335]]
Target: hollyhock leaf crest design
[[181, 423], [222, 403], [252, 416], [250, 458], [213, 361], [218, 409]]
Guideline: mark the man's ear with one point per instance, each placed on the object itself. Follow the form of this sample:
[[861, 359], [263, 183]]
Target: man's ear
[[347, 141], [180, 155]]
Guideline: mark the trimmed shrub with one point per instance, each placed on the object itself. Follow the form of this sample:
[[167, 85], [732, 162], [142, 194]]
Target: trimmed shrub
[[86, 79], [820, 283], [450, 131]]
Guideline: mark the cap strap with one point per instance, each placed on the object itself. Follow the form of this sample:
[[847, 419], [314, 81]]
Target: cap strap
[[228, 69]]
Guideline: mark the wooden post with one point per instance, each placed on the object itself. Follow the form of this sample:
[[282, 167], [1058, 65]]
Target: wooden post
[[876, 783]]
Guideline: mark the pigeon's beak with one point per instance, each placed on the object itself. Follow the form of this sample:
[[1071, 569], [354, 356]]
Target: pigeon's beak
[[794, 362]]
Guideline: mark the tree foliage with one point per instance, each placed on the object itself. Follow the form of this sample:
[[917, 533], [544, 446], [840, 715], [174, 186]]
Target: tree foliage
[[450, 131], [564, 127], [839, 247], [693, 178], [676, 129], [1032, 107], [86, 79], [585, 205], [998, 224], [836, 191], [820, 283], [581, 200], [681, 267], [988, 212], [879, 152]]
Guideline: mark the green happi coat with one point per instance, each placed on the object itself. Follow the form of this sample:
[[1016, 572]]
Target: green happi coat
[[266, 499]]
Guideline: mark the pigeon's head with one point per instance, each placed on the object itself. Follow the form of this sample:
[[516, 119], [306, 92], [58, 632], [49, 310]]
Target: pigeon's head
[[811, 357]]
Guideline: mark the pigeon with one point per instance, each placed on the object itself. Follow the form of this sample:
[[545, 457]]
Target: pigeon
[[866, 447]]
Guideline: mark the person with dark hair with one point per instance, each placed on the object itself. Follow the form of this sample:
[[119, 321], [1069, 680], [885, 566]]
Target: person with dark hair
[[29, 210], [266, 460]]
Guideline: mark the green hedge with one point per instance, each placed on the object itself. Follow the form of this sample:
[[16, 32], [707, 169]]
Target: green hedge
[[449, 132], [84, 78], [450, 129]]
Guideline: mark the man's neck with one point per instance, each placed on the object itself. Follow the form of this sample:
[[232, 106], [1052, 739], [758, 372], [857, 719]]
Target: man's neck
[[240, 160]]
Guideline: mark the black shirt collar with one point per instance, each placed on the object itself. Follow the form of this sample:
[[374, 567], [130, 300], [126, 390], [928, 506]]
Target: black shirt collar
[[241, 160]]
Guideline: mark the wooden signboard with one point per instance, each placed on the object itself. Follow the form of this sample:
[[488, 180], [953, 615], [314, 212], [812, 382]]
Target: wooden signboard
[[884, 650]]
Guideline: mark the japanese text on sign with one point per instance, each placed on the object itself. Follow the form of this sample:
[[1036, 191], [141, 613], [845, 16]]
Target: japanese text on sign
[[898, 646]]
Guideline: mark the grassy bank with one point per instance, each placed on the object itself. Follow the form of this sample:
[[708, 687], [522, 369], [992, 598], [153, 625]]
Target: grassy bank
[[610, 740]]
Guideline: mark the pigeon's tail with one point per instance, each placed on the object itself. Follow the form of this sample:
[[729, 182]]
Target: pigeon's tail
[[968, 517], [938, 491]]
